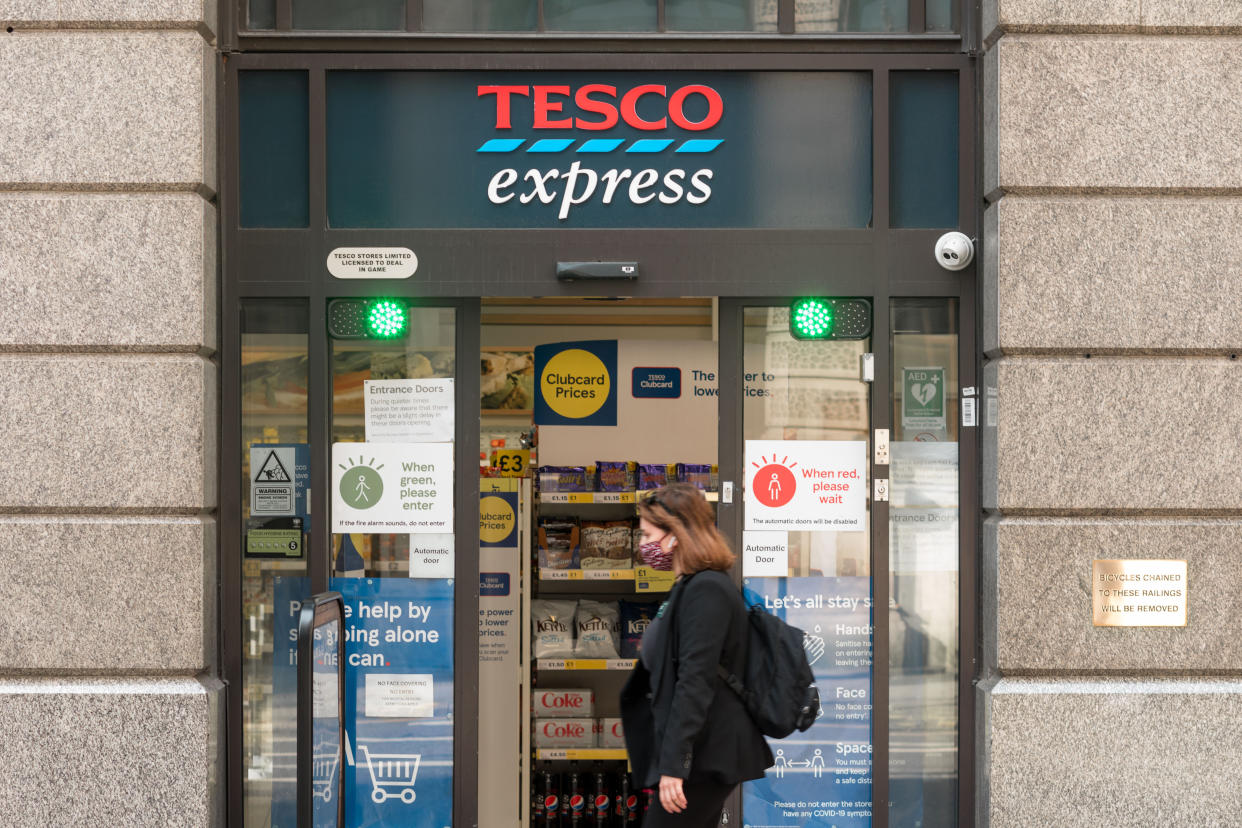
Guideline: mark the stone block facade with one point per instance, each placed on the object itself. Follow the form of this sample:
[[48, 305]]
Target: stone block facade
[[1110, 248], [109, 700]]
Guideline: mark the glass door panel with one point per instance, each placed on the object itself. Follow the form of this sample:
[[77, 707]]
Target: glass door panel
[[392, 478], [275, 460], [923, 564], [806, 551]]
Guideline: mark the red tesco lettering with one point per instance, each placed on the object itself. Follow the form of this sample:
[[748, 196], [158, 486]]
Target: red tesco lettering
[[599, 99]]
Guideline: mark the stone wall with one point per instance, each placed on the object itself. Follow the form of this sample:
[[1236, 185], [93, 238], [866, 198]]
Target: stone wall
[[110, 703], [1111, 259]]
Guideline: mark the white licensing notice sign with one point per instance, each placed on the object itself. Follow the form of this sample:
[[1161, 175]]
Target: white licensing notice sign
[[392, 487], [806, 485]]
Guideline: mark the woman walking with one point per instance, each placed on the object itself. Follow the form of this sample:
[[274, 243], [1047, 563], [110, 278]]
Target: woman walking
[[687, 733]]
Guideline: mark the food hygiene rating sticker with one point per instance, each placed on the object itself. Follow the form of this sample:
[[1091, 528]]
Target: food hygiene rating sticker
[[577, 383]]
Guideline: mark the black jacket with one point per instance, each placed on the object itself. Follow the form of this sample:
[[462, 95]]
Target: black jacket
[[680, 718]]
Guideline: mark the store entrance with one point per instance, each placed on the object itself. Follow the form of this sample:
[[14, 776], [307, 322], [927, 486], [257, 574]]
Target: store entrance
[[831, 466], [588, 405]]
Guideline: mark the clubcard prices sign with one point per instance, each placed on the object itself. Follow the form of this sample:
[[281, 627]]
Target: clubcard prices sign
[[806, 485], [576, 383]]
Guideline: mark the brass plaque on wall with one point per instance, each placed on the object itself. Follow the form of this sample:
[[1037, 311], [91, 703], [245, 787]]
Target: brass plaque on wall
[[1138, 593]]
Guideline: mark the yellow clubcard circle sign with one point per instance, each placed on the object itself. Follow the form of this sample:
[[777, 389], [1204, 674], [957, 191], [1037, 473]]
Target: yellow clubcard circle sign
[[496, 519], [575, 384]]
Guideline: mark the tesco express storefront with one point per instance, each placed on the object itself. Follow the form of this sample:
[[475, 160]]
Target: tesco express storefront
[[506, 203]]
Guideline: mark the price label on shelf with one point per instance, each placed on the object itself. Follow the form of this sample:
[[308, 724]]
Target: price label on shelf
[[560, 574], [608, 574], [647, 579], [580, 754], [614, 497], [565, 497]]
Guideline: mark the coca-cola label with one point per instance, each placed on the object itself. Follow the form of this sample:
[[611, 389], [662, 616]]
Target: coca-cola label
[[610, 733], [564, 703], [565, 733], [558, 730]]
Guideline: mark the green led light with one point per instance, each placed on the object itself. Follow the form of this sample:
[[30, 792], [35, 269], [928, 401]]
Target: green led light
[[810, 319], [386, 319]]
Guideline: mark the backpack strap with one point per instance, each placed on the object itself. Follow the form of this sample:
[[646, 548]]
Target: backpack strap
[[734, 683]]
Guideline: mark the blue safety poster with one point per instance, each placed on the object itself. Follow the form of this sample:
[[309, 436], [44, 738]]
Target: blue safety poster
[[398, 699], [821, 777]]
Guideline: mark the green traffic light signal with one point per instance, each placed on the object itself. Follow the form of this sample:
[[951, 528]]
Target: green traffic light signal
[[811, 318], [819, 318], [386, 319]]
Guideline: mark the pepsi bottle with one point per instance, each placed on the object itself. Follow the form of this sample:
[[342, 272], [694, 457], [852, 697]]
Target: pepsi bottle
[[573, 801], [627, 802], [547, 805], [601, 801]]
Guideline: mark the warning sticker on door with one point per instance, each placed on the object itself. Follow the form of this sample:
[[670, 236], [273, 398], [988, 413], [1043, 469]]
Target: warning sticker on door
[[808, 485], [272, 471]]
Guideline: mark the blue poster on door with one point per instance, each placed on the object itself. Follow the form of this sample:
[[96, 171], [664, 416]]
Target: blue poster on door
[[398, 699], [821, 777]]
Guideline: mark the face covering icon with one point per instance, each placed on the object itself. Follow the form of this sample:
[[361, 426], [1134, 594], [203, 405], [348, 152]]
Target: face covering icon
[[655, 557]]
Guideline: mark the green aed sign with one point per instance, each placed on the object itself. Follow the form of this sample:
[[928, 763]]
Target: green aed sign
[[922, 403]]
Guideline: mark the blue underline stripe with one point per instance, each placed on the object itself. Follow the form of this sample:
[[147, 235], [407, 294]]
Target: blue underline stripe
[[550, 145], [699, 145], [600, 145], [649, 145], [501, 145]]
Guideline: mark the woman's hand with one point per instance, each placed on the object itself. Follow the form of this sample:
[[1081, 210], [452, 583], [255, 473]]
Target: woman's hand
[[672, 797]]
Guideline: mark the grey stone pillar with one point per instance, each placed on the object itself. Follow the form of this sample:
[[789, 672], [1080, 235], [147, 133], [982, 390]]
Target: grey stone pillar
[[110, 703], [1112, 251]]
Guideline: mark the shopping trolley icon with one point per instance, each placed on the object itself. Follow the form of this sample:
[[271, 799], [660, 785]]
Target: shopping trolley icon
[[390, 771], [323, 773]]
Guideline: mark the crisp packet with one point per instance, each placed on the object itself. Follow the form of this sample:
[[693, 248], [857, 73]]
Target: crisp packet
[[558, 543], [562, 478], [696, 474], [614, 476], [652, 475]]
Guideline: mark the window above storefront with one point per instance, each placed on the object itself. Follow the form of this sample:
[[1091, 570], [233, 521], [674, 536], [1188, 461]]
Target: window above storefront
[[553, 18]]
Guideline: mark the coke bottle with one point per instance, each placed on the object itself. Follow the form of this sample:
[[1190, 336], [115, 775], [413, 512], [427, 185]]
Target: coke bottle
[[627, 802], [601, 801], [573, 801]]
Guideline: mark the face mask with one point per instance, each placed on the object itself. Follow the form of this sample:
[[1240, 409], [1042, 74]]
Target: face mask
[[655, 557]]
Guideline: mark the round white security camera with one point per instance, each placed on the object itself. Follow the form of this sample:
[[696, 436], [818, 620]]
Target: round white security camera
[[954, 251]]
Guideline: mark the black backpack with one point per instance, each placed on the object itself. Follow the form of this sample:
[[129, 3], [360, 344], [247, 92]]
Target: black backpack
[[778, 687]]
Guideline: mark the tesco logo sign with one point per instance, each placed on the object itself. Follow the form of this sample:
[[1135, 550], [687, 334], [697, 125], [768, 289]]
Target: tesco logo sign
[[581, 167], [601, 101]]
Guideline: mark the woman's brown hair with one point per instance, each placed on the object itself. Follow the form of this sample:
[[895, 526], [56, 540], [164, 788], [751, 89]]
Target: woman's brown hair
[[680, 508]]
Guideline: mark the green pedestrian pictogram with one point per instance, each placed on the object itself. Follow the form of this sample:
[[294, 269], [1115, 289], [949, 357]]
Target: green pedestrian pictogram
[[361, 485]]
